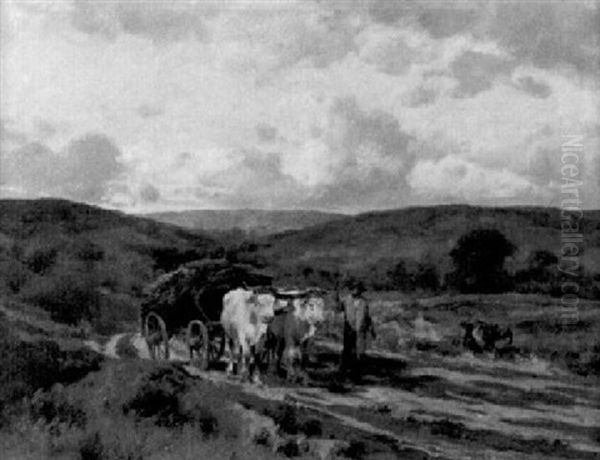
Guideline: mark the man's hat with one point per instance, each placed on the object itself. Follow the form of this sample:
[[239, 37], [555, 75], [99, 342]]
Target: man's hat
[[358, 286]]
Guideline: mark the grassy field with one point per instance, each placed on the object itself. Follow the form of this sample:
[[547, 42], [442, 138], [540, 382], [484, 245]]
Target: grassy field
[[542, 327]]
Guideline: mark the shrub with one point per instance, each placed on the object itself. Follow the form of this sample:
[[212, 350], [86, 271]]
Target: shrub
[[40, 259], [113, 311], [158, 397], [91, 447], [356, 450], [287, 418], [27, 366], [69, 296], [125, 348], [14, 274], [54, 406], [312, 427], [479, 261]]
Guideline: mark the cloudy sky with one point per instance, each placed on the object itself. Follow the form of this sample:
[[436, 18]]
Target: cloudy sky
[[343, 106]]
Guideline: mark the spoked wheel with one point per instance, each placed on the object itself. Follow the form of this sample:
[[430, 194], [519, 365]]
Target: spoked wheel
[[216, 348], [198, 344], [157, 339]]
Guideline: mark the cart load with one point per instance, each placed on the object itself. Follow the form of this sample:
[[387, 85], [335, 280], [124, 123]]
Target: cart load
[[190, 300]]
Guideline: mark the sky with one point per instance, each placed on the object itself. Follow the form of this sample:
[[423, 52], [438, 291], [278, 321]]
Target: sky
[[338, 106]]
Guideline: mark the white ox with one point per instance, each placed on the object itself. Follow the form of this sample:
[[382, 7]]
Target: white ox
[[288, 336], [244, 318]]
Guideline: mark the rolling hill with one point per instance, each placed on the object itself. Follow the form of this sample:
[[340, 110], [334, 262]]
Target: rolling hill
[[376, 241], [84, 262], [251, 221]]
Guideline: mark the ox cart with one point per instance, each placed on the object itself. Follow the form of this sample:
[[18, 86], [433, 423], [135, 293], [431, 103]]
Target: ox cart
[[188, 302]]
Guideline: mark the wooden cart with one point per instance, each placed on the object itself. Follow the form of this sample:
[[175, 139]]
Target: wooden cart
[[188, 302]]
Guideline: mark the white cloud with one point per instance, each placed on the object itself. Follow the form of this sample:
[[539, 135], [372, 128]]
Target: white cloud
[[181, 88], [460, 179]]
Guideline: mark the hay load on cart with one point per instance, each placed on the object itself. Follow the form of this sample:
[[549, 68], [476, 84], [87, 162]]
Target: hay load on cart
[[188, 302]]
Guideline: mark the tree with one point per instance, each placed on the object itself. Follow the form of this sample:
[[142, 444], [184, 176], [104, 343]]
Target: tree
[[479, 261]]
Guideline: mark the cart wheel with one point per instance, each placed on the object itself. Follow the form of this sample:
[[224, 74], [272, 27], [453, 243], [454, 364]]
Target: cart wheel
[[198, 344], [157, 339]]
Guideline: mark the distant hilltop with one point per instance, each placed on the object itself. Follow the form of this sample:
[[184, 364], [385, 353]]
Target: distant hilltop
[[251, 221]]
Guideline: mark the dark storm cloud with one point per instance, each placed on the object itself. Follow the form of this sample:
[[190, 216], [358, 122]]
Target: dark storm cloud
[[256, 181], [477, 72], [533, 87], [545, 34], [377, 128], [422, 96], [91, 162], [265, 132], [394, 58], [318, 40], [158, 21], [550, 34], [387, 12], [447, 21], [82, 172], [149, 194], [33, 167], [44, 129]]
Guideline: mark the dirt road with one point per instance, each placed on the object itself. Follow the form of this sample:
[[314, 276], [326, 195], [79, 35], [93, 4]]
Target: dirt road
[[460, 407]]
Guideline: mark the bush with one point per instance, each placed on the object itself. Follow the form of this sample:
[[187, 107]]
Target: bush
[[69, 297], [287, 418], [113, 312], [54, 406], [14, 274], [25, 367], [125, 349], [356, 450], [91, 447], [28, 366], [479, 262], [159, 397]]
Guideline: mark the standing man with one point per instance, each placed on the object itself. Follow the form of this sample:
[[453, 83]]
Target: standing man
[[357, 324]]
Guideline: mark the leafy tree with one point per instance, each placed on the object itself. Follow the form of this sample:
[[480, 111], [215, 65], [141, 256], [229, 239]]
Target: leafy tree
[[479, 261]]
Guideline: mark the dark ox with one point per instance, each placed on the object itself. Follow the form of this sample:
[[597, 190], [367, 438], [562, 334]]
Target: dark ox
[[289, 334]]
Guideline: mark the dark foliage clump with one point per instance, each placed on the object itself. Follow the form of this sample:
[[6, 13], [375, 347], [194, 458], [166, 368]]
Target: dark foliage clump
[[54, 406], [478, 259], [286, 417], [91, 447], [312, 427], [159, 398], [69, 297], [28, 366], [356, 450], [448, 428]]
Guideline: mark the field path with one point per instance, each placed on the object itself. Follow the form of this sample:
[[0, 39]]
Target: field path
[[448, 407]]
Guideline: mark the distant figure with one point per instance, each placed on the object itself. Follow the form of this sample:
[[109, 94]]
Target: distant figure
[[357, 324]]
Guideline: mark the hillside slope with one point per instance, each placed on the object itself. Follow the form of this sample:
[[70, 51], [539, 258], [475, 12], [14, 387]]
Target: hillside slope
[[378, 240], [251, 221], [83, 262]]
